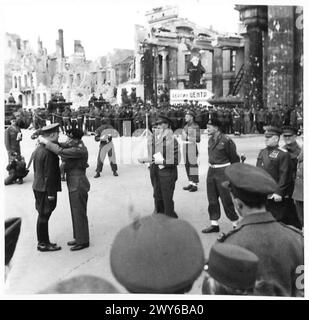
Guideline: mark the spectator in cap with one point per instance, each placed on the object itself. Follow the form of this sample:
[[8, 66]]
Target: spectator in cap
[[45, 186], [221, 153], [191, 136], [277, 162], [280, 248], [12, 138], [83, 284], [232, 270], [163, 156], [74, 154], [298, 193], [157, 254], [12, 230], [289, 135]]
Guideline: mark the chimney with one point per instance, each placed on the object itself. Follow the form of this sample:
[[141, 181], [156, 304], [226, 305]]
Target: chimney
[[60, 42]]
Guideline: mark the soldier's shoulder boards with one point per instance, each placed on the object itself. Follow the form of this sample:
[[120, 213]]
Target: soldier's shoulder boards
[[292, 228], [282, 149]]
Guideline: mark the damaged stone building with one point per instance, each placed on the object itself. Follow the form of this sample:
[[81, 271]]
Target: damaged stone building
[[33, 76], [173, 41]]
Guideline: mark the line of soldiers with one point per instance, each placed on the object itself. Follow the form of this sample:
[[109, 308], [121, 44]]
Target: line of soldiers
[[129, 118]]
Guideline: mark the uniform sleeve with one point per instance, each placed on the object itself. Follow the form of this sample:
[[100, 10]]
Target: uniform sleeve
[[67, 153], [285, 174], [232, 153]]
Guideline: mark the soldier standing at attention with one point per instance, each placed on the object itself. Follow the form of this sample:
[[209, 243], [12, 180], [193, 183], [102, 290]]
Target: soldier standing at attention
[[289, 135], [277, 162], [221, 153], [75, 156], [45, 186], [104, 135], [191, 136], [280, 248], [164, 157]]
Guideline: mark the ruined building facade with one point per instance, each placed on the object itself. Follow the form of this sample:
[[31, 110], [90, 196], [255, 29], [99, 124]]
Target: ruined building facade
[[173, 41], [33, 76]]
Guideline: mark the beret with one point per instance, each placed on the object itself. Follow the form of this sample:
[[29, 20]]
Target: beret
[[250, 179], [12, 230], [81, 284], [157, 254], [50, 128], [233, 266], [272, 131]]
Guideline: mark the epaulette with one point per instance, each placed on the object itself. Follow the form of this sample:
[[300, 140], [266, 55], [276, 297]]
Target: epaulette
[[292, 228], [284, 150], [222, 237]]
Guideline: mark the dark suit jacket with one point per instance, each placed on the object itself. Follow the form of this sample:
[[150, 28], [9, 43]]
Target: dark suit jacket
[[46, 171]]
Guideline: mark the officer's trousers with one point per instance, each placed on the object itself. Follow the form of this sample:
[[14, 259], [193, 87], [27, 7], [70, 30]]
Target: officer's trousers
[[190, 155], [107, 149], [78, 203], [163, 182], [45, 207], [215, 177]]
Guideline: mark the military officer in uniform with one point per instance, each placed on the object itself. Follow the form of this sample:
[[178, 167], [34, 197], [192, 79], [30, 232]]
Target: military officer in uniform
[[164, 156], [289, 135], [298, 193], [190, 137], [280, 248], [75, 156], [104, 134], [221, 153], [45, 186], [277, 162]]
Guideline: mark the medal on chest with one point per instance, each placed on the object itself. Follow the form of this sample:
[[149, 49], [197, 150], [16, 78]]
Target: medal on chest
[[274, 154]]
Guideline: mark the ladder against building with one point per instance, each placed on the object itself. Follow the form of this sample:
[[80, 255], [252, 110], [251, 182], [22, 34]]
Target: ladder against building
[[237, 82]]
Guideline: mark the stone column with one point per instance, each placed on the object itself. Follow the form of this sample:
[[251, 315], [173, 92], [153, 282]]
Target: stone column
[[253, 76], [164, 66], [217, 72], [255, 20], [138, 75], [280, 75]]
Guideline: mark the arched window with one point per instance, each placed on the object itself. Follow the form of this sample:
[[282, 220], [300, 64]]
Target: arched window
[[44, 98], [19, 82], [38, 99], [26, 80], [15, 82]]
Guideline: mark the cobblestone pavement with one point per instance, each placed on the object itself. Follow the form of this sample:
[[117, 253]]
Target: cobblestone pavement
[[108, 210]]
